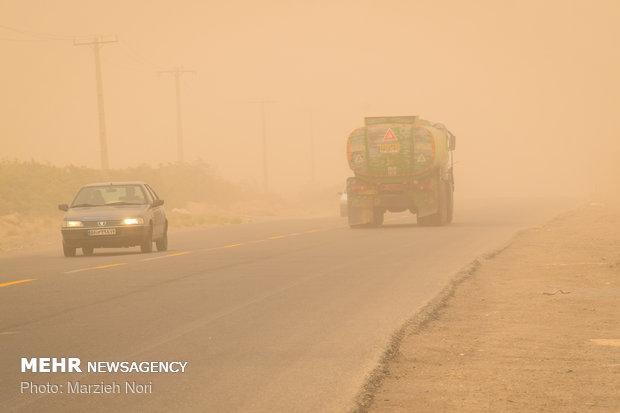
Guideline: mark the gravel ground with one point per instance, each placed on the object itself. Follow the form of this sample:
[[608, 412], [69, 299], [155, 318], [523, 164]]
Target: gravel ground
[[535, 328]]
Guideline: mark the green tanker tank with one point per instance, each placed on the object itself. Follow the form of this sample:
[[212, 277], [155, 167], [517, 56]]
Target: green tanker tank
[[400, 163]]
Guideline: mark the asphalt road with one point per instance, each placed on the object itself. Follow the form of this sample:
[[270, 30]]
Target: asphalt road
[[287, 315]]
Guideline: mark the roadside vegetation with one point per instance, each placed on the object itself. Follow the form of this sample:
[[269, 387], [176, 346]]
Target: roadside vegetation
[[194, 193], [37, 188]]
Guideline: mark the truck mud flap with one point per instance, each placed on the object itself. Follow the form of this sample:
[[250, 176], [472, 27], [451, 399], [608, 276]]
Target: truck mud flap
[[360, 209], [360, 216]]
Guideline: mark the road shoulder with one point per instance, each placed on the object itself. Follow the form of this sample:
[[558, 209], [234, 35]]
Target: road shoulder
[[534, 327]]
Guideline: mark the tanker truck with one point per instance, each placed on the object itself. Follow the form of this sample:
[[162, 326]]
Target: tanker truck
[[400, 163]]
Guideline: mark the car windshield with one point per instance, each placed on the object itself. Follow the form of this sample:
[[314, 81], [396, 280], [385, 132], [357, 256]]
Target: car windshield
[[110, 195]]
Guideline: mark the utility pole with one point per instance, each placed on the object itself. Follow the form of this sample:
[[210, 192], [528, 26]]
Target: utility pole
[[103, 143], [311, 130], [177, 72], [264, 140], [262, 105], [263, 115]]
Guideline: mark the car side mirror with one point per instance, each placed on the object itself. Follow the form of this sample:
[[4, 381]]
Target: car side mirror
[[158, 203], [63, 207]]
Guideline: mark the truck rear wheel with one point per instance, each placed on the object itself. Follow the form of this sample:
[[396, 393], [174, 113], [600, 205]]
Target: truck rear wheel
[[377, 217], [350, 221], [67, 250], [450, 204], [443, 214]]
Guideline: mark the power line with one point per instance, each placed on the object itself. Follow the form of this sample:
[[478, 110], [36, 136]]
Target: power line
[[38, 36], [43, 35], [7, 39], [124, 64], [137, 57]]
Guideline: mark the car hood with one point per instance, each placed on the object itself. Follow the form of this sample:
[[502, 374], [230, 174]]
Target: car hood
[[112, 212]]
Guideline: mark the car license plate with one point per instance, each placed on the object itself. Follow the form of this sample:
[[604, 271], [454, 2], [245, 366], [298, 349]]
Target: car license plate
[[102, 231]]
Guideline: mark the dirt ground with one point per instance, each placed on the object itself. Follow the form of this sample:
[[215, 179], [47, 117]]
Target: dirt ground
[[18, 233], [535, 328]]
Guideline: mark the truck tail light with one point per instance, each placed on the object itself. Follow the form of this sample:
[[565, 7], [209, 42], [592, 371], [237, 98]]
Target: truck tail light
[[392, 188], [358, 187]]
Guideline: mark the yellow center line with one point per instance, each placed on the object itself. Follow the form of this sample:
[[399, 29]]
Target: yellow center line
[[232, 245], [180, 253], [223, 247], [176, 254], [16, 282], [274, 237], [99, 267], [313, 231], [566, 264], [614, 342]]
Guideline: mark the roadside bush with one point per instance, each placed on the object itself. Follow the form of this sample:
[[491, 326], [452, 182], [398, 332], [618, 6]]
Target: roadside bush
[[31, 187]]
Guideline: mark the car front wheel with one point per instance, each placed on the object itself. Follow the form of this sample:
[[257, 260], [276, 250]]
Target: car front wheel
[[162, 244], [147, 243]]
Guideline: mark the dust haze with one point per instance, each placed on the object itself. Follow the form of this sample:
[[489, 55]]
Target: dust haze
[[316, 289], [529, 88]]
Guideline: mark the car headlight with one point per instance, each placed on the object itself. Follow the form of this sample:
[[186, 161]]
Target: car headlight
[[133, 221], [72, 224]]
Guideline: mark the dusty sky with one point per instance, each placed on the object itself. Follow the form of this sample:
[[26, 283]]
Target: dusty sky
[[530, 88]]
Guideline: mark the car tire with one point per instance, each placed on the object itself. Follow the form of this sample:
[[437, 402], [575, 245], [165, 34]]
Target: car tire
[[147, 243], [68, 251], [88, 251], [162, 243]]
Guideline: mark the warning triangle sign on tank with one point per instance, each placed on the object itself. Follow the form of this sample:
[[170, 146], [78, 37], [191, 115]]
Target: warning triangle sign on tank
[[389, 136]]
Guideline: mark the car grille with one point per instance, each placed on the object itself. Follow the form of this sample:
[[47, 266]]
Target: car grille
[[108, 223]]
